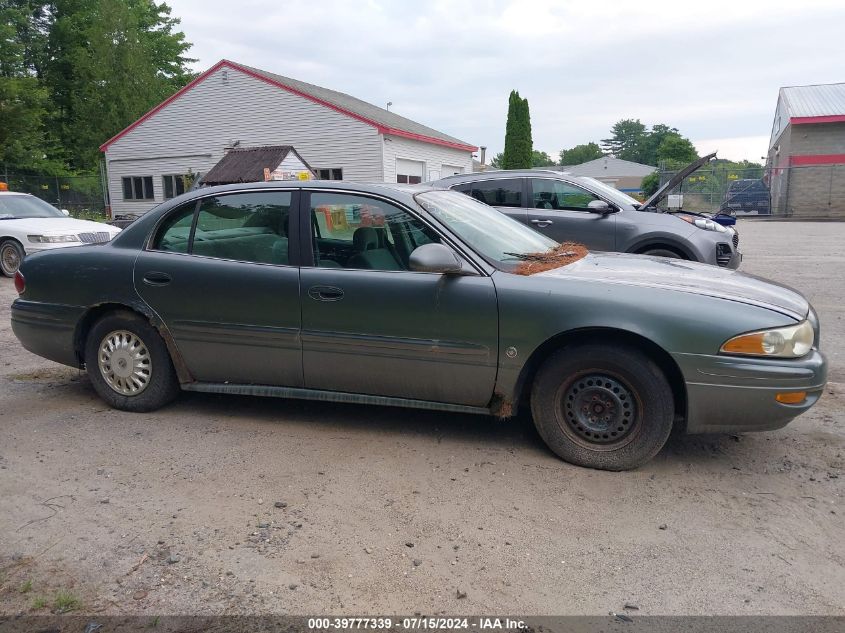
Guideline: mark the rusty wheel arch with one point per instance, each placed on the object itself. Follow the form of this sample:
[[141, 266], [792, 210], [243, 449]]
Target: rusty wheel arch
[[94, 313], [522, 392]]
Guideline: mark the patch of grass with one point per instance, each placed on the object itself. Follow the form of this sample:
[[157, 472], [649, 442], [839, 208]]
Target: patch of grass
[[39, 603], [65, 601], [26, 587]]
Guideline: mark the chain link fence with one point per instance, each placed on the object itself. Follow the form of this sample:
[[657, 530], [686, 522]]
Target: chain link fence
[[811, 192], [82, 196]]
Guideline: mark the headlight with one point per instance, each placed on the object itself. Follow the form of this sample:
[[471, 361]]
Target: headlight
[[707, 225], [52, 239], [785, 342]]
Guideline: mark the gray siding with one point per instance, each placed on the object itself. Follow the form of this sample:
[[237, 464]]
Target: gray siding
[[190, 134]]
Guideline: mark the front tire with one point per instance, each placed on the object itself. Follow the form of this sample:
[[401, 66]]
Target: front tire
[[11, 256], [662, 252], [602, 406], [128, 363]]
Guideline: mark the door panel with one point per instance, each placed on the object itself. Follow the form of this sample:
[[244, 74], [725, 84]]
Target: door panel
[[236, 321], [559, 210], [403, 334], [370, 325]]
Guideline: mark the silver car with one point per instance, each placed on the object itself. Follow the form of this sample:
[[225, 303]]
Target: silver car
[[571, 208]]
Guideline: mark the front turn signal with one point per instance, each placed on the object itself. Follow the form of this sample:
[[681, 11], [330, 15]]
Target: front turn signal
[[791, 397]]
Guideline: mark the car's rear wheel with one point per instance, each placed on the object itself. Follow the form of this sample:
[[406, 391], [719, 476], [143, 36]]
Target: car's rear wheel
[[602, 406], [662, 252], [11, 256], [128, 363]]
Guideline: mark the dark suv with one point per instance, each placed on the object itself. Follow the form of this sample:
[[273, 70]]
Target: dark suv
[[585, 210], [747, 196]]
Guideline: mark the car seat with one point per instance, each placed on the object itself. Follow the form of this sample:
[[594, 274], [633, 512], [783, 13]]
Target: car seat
[[369, 254]]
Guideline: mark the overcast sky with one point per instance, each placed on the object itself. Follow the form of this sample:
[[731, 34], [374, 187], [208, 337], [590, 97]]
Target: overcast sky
[[712, 69]]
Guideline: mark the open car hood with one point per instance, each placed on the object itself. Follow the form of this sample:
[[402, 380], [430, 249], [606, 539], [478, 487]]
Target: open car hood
[[676, 180]]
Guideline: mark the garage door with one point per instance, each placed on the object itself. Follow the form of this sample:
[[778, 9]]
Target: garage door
[[450, 170], [409, 171]]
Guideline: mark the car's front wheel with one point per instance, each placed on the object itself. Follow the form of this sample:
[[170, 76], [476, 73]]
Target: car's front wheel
[[662, 252], [128, 363], [11, 256], [602, 406]]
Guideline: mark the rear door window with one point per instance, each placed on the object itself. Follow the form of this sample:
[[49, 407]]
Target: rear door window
[[247, 227], [506, 192]]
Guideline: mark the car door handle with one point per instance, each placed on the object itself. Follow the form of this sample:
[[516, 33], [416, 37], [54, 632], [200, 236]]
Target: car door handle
[[325, 293], [154, 278], [542, 223]]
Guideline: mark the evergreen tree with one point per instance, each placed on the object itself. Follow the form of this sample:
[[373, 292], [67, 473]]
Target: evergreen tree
[[518, 152]]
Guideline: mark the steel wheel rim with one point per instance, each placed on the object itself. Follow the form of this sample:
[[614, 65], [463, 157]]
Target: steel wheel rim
[[125, 363], [599, 410], [10, 258]]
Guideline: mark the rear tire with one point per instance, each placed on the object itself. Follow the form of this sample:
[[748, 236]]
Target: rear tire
[[128, 363], [11, 256], [602, 406]]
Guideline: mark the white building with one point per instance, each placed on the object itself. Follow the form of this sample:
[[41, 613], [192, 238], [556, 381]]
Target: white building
[[232, 105]]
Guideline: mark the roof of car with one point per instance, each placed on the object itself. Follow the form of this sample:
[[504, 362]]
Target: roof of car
[[366, 187], [501, 173]]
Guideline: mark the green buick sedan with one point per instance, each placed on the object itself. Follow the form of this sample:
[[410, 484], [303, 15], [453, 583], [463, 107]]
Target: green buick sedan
[[414, 297]]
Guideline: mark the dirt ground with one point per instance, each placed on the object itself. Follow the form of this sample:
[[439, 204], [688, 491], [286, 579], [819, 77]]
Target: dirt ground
[[389, 511]]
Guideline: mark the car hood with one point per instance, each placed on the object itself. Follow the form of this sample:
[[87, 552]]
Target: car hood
[[684, 276], [676, 180], [58, 226]]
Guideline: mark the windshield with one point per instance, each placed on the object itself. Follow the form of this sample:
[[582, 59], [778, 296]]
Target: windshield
[[23, 206], [496, 237], [609, 192]]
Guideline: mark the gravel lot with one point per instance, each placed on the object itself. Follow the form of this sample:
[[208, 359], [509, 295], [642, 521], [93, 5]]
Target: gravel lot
[[394, 511]]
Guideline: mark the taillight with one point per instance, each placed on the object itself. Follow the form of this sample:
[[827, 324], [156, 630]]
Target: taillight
[[20, 283]]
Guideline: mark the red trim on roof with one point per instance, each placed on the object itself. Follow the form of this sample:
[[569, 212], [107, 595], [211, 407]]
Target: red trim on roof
[[830, 118], [817, 159], [224, 62]]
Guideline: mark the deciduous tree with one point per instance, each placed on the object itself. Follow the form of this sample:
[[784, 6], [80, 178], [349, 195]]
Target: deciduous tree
[[580, 154]]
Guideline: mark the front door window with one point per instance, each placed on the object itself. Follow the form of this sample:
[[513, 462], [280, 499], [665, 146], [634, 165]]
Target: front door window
[[350, 231], [559, 195]]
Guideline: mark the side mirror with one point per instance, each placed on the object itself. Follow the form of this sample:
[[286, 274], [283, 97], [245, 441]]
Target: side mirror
[[600, 206], [65, 211], [435, 258]]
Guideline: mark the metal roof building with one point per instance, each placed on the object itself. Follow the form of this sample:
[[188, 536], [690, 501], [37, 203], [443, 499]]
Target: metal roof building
[[806, 158]]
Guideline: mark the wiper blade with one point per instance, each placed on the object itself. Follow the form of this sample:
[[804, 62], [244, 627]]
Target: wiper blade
[[9, 217]]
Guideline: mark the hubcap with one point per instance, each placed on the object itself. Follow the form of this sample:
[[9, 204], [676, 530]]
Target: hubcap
[[600, 410], [10, 258], [125, 363]]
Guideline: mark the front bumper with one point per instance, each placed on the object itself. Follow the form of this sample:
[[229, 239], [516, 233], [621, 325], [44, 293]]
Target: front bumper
[[727, 394]]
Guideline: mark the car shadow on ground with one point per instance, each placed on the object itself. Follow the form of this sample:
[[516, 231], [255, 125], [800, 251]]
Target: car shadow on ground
[[516, 435]]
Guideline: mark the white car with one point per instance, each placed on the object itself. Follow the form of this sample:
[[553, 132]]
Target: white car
[[28, 225]]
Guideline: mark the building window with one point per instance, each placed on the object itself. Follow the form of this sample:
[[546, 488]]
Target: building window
[[331, 173], [409, 171], [138, 188], [173, 185]]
